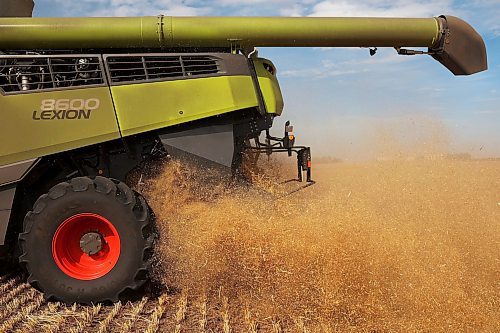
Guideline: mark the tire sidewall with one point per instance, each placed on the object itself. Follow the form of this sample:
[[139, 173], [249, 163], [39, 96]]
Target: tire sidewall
[[38, 246]]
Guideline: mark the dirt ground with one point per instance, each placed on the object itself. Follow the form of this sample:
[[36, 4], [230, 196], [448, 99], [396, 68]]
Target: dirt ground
[[388, 246]]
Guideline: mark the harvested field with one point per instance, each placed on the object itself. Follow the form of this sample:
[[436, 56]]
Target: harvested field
[[392, 246]]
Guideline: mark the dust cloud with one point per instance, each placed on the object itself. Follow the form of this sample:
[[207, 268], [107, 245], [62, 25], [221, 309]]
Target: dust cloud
[[391, 245], [405, 137]]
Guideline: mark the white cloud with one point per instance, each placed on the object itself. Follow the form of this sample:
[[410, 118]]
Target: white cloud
[[491, 111], [320, 72], [260, 7], [132, 7], [483, 15], [382, 8], [385, 8], [344, 62], [399, 8]]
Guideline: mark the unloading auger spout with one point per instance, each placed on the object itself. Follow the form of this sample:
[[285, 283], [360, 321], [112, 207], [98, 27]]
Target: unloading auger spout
[[448, 39]]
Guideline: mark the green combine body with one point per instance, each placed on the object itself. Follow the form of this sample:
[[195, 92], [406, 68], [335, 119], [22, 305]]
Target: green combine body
[[143, 93], [86, 100]]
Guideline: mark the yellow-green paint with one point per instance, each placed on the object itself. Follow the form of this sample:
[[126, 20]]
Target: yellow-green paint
[[302, 31], [270, 87], [149, 106], [168, 31], [24, 138]]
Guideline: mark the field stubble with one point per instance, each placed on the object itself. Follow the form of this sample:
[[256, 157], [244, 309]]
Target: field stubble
[[393, 246]]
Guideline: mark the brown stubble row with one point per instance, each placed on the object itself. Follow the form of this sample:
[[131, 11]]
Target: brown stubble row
[[33, 301], [169, 313], [104, 325], [250, 323], [133, 316], [38, 320], [57, 322], [24, 310], [86, 319], [180, 314], [202, 321], [7, 282], [15, 299], [173, 313], [157, 314], [12, 290]]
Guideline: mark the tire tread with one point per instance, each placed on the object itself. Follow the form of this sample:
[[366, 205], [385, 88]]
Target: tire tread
[[122, 194]]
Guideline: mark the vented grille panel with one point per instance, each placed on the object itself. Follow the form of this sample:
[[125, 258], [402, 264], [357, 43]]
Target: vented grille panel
[[39, 73], [195, 65], [144, 68], [163, 67], [126, 69]]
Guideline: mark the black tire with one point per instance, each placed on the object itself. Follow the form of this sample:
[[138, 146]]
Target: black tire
[[127, 211]]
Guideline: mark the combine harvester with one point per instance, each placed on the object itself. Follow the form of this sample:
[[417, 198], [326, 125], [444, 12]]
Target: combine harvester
[[86, 100]]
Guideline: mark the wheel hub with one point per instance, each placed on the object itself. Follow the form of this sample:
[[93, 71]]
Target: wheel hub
[[91, 243], [86, 246]]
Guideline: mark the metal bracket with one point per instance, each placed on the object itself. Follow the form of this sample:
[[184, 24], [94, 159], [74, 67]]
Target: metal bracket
[[255, 79], [235, 45], [159, 30], [431, 51], [408, 52], [279, 145]]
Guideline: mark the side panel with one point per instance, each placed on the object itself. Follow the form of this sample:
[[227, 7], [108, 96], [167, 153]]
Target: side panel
[[13, 172], [4, 224], [41, 123], [269, 86], [10, 174], [6, 199], [214, 143], [149, 106]]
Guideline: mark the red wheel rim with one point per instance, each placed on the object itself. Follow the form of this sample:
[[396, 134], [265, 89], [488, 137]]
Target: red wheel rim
[[70, 257]]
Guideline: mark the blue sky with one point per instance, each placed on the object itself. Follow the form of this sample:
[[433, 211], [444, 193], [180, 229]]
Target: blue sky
[[342, 101]]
